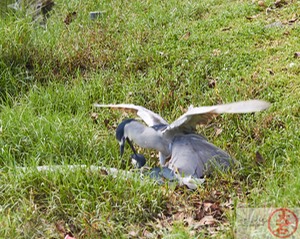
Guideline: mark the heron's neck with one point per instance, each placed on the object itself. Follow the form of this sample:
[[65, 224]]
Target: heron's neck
[[147, 137]]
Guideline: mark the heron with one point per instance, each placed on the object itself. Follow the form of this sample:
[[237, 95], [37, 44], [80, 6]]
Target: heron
[[182, 150]]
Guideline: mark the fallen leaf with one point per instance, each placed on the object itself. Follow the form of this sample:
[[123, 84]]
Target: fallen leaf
[[133, 234], [182, 109], [186, 36], [199, 214], [252, 17], [261, 3], [148, 234], [228, 204], [189, 221], [293, 20], [179, 216], [271, 72], [218, 131], [259, 159], [297, 55], [94, 117], [69, 236], [212, 83], [280, 3], [268, 10], [207, 205], [207, 220], [216, 52], [106, 123], [103, 172], [70, 17], [216, 193], [226, 29], [255, 75], [215, 207], [60, 228]]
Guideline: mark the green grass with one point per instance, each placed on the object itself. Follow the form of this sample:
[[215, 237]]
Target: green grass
[[137, 53]]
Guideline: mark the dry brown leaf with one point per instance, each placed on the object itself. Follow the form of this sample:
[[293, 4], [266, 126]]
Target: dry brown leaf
[[186, 36], [200, 214], [69, 236], [213, 231], [252, 17], [259, 159], [148, 234], [216, 193], [182, 109], [268, 10], [207, 205], [103, 172], [189, 221], [216, 52], [215, 207], [70, 17], [133, 234], [271, 72], [106, 123], [218, 131], [212, 83], [207, 220], [60, 227], [293, 20], [226, 29], [179, 216], [286, 33], [297, 55], [94, 117], [261, 3], [280, 3]]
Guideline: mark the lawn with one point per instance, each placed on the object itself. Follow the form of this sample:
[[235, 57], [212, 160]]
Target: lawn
[[164, 56]]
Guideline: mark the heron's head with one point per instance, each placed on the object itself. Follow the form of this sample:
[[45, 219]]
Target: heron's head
[[122, 136]]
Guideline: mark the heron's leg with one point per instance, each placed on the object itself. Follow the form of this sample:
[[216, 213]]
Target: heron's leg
[[163, 159]]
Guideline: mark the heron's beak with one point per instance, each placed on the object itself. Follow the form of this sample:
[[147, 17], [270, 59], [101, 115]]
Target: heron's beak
[[122, 146]]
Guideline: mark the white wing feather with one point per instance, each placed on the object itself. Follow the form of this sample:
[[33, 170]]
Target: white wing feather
[[201, 115], [149, 117], [195, 115]]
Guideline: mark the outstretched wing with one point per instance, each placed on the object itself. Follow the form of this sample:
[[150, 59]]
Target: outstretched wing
[[201, 115], [149, 117]]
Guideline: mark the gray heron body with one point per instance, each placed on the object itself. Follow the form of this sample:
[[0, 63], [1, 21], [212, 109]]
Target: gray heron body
[[189, 154]]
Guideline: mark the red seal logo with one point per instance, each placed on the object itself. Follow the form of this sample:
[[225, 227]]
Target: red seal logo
[[282, 223]]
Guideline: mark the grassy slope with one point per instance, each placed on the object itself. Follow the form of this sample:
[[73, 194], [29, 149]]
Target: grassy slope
[[138, 53]]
